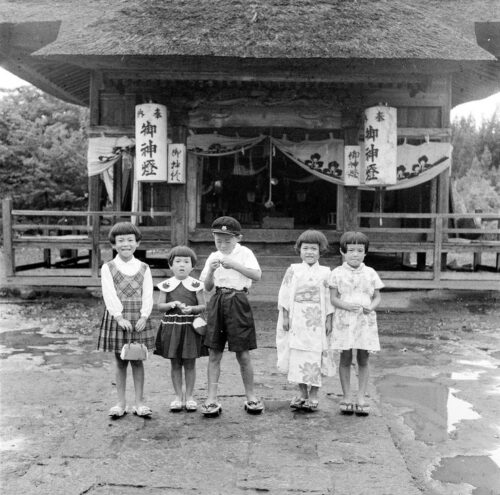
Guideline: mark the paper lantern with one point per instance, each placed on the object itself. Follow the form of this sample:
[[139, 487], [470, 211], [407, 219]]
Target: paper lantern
[[352, 165], [176, 170], [380, 146], [151, 142]]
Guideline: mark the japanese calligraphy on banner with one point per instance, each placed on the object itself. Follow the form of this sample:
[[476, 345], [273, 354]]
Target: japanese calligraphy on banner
[[352, 165], [151, 142], [176, 169], [380, 145]]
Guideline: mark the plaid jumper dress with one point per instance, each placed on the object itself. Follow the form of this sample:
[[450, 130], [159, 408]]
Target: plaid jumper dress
[[129, 291]]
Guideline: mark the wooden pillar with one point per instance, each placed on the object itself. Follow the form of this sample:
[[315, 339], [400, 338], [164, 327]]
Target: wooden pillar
[[9, 258], [443, 206], [340, 208], [117, 185], [192, 176], [95, 258], [179, 209], [351, 208], [350, 194]]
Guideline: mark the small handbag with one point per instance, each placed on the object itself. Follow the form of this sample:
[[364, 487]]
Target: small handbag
[[200, 326], [134, 351]]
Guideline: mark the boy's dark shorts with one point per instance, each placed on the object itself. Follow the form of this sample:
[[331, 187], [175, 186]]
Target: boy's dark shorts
[[230, 320]]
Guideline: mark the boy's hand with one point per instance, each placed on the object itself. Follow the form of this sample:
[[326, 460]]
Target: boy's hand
[[367, 310], [229, 263], [141, 324], [214, 264]]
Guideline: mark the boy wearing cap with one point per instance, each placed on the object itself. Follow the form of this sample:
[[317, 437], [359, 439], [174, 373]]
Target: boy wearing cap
[[231, 270]]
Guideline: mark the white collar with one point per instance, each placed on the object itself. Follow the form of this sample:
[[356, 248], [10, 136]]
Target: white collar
[[310, 267], [237, 247], [120, 262], [172, 283], [354, 270]]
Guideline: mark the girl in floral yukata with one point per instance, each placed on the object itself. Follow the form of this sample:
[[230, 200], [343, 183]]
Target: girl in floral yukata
[[355, 293], [304, 321]]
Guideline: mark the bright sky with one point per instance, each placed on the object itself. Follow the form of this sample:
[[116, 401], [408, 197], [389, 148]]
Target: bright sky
[[479, 109]]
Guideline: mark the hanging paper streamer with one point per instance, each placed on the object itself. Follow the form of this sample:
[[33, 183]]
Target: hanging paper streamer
[[324, 159], [176, 172], [151, 142], [380, 146], [419, 163], [352, 165]]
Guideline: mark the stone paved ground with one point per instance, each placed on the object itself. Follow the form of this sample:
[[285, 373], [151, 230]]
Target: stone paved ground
[[57, 439]]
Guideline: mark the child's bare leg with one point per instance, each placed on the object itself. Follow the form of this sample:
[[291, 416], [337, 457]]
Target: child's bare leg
[[363, 375], [138, 375], [304, 391], [246, 370], [345, 373], [213, 373], [190, 377], [121, 379], [313, 392], [176, 375]]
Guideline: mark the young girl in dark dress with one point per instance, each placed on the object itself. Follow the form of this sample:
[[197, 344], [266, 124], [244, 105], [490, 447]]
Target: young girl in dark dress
[[181, 298]]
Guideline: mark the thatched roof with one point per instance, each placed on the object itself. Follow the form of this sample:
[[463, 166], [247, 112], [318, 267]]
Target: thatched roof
[[56, 43], [421, 29]]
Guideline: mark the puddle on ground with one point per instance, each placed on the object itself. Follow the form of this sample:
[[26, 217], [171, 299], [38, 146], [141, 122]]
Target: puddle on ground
[[433, 410], [466, 375], [479, 309], [479, 471], [40, 348]]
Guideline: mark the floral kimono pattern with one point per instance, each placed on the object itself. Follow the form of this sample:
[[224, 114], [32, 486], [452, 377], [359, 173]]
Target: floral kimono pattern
[[355, 330], [304, 352]]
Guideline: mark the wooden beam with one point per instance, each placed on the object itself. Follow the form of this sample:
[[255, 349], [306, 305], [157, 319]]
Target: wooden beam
[[95, 87], [246, 68], [312, 117], [28, 69]]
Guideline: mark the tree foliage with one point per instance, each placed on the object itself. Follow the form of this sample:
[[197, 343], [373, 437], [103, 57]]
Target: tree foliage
[[476, 162], [43, 151]]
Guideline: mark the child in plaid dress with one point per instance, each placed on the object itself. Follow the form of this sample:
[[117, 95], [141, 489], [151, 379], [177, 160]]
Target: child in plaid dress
[[127, 290]]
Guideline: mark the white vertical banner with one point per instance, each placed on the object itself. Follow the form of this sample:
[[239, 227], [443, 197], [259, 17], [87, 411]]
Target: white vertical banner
[[176, 168], [380, 146], [352, 165], [151, 142]]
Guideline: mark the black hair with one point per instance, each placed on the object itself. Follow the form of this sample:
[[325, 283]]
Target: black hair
[[311, 236], [352, 237], [124, 228], [184, 251]]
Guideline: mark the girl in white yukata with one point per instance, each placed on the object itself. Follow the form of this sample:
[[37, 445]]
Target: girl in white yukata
[[355, 293], [304, 321]]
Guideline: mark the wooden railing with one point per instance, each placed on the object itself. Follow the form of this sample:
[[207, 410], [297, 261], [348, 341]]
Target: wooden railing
[[439, 237], [82, 231], [71, 230]]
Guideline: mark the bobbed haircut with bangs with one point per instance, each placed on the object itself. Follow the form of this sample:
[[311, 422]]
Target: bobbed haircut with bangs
[[124, 228], [352, 237], [184, 252], [312, 237]]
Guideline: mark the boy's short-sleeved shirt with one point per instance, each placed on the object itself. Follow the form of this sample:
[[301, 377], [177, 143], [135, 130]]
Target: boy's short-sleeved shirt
[[227, 277]]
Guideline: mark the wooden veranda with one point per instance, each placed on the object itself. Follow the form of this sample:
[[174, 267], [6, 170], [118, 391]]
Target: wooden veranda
[[81, 238]]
